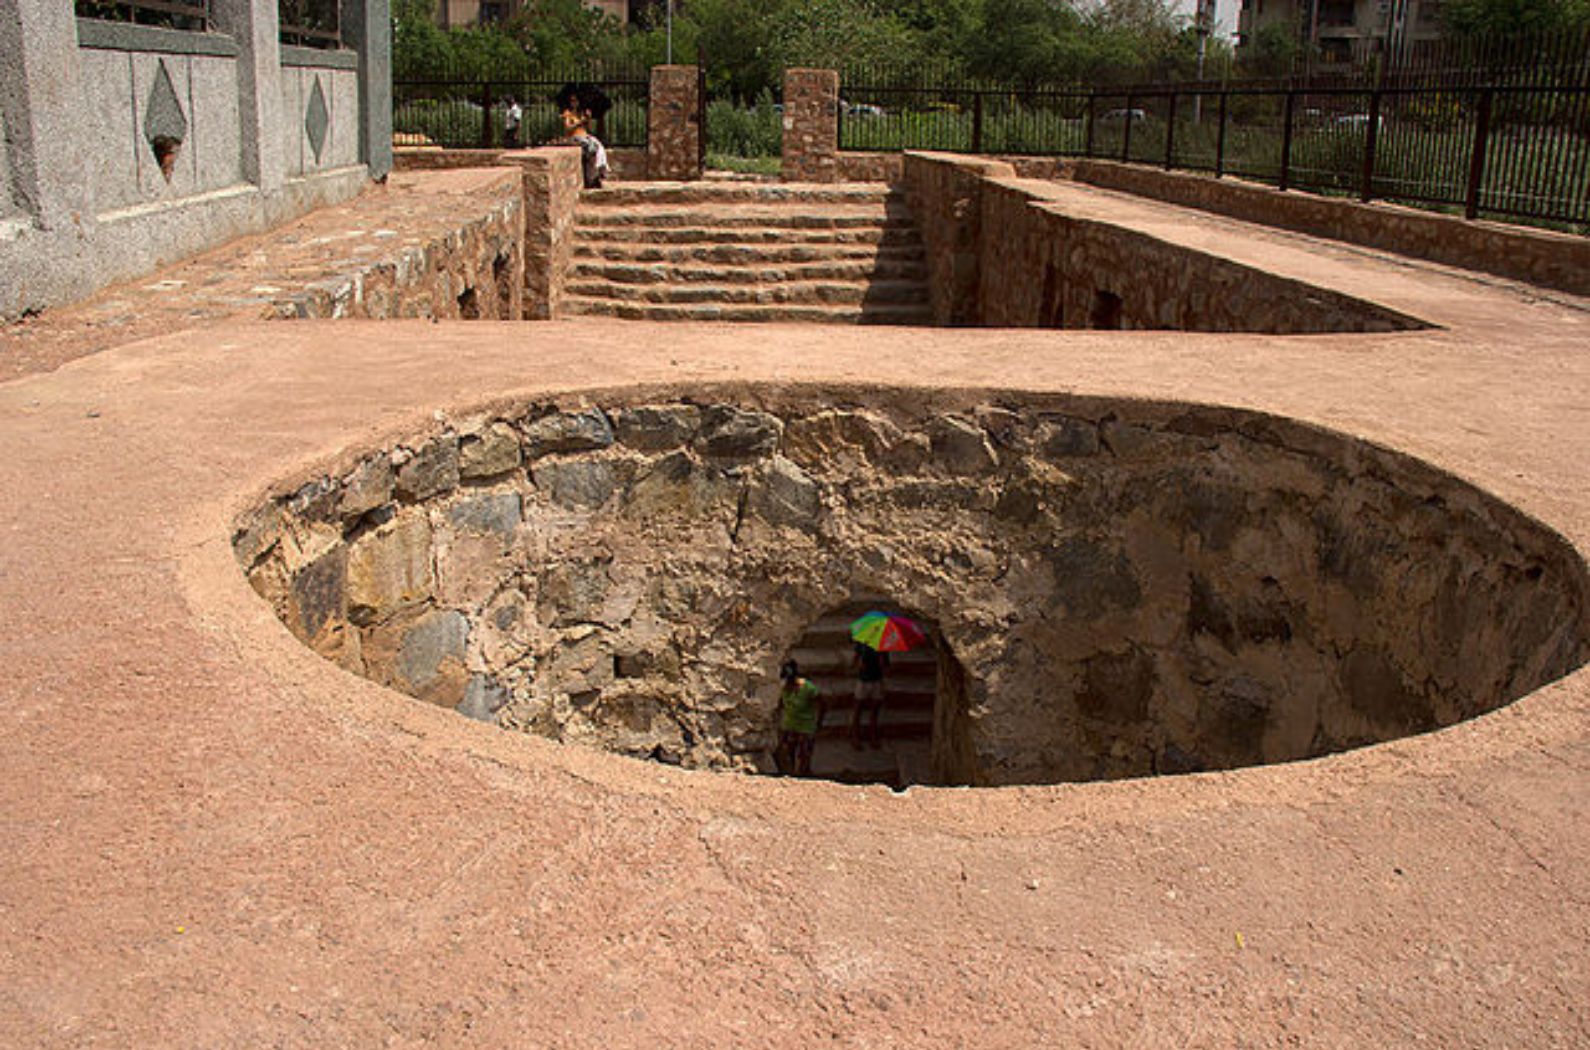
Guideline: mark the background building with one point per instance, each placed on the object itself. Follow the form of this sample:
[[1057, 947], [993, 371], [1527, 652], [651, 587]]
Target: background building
[[1342, 31], [460, 13]]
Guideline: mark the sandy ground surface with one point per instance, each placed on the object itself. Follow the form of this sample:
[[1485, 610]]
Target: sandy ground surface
[[216, 839]]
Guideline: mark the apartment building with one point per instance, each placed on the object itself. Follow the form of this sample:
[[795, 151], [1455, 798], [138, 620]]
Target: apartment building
[[1344, 30], [460, 13]]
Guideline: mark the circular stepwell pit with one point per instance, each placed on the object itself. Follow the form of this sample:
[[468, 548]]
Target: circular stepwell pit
[[1116, 588]]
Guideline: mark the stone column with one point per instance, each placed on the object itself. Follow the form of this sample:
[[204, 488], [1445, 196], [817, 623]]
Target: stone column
[[811, 125], [673, 124], [367, 26], [254, 26], [552, 182], [41, 98]]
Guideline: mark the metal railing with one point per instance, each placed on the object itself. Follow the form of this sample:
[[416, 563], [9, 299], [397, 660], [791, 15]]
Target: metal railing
[[461, 109], [310, 23], [1517, 150], [193, 15]]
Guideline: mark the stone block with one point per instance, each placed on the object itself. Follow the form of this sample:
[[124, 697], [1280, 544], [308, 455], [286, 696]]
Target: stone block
[[673, 123], [431, 471], [677, 485], [786, 495], [498, 513], [390, 569], [488, 452], [583, 431], [484, 696], [657, 428], [368, 487], [577, 484], [1117, 687], [961, 446], [736, 433], [1092, 579], [319, 594], [811, 125]]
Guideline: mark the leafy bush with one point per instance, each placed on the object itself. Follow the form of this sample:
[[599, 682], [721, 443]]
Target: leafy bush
[[745, 131]]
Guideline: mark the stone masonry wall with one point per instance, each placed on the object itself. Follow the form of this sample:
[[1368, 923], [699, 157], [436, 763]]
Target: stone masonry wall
[[999, 253], [552, 183], [1129, 588], [811, 125], [1543, 257], [673, 123], [1040, 267], [475, 271]]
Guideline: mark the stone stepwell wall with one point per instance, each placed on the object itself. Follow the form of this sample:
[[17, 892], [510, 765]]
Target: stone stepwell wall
[[1001, 255], [1130, 588]]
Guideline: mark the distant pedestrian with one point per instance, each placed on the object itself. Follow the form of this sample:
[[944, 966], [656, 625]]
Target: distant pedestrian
[[510, 124], [801, 710], [870, 667]]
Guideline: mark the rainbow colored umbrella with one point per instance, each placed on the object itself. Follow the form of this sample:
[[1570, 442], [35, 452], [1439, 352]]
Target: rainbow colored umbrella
[[887, 633]]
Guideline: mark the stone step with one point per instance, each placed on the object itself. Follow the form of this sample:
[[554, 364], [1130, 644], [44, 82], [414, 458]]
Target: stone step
[[735, 217], [882, 235], [747, 254], [626, 195], [882, 313], [877, 268], [893, 724], [816, 653], [791, 292]]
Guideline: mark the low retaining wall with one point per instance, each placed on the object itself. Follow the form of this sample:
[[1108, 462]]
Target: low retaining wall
[[627, 165], [1543, 257]]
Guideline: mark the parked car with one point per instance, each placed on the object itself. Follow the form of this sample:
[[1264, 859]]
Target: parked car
[[1123, 115], [1352, 120], [866, 109]]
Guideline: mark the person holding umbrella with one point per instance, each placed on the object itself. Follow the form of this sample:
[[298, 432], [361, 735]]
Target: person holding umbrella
[[876, 635], [582, 105]]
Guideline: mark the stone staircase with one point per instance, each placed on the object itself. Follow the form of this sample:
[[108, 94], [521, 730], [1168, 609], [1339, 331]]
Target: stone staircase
[[906, 727], [746, 251]]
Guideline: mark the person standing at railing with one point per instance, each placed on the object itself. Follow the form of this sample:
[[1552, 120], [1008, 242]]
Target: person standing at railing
[[510, 124]]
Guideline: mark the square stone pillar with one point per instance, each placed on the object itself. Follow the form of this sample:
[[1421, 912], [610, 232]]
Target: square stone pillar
[[673, 124], [367, 26], [553, 178], [48, 138], [811, 125], [256, 29]]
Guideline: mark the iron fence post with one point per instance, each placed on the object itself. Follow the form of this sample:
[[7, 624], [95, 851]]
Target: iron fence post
[[1482, 133], [1087, 148], [1366, 191], [485, 115], [1286, 140], [1170, 132], [977, 122], [1126, 132], [1220, 139]]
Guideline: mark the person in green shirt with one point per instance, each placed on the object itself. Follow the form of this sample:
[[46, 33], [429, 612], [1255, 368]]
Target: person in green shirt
[[800, 716]]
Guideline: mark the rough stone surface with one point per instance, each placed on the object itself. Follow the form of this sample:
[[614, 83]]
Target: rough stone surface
[[579, 431], [390, 569], [1180, 593], [492, 451], [366, 488], [811, 125], [673, 124], [431, 471], [657, 428]]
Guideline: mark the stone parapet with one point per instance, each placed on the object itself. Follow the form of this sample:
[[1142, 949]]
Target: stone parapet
[[945, 194], [673, 123], [551, 193], [811, 125], [1543, 257]]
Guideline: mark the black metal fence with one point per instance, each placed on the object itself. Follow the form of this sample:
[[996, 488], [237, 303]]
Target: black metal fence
[[1509, 146], [310, 23], [463, 109], [192, 15]]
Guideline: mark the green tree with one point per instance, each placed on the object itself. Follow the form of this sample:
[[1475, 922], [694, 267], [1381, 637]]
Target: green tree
[[1515, 18], [561, 34]]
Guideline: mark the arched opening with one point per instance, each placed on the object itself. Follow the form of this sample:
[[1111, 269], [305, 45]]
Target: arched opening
[[917, 733]]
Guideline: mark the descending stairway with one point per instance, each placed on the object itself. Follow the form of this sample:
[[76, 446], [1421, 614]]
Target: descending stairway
[[745, 251], [906, 727]]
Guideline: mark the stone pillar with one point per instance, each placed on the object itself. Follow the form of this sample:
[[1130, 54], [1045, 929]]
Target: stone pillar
[[811, 125], [552, 182], [673, 124], [367, 26], [41, 98], [253, 24]]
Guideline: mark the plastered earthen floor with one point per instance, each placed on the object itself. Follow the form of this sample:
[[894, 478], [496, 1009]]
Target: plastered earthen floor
[[213, 838]]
